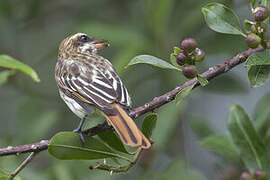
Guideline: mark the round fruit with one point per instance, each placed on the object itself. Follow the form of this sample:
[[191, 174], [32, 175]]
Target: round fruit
[[190, 71], [253, 40], [189, 45]]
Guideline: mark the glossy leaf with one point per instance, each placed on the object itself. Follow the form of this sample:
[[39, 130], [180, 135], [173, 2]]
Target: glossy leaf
[[4, 76], [259, 58], [221, 144], [202, 80], [183, 94], [147, 59], [68, 146], [110, 138], [222, 19], [252, 149], [258, 75], [9, 62], [149, 124]]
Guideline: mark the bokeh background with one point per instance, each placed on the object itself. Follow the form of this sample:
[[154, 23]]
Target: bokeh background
[[31, 30]]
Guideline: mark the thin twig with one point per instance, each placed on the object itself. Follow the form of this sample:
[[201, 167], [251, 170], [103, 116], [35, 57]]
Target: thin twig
[[156, 103], [119, 169], [24, 163]]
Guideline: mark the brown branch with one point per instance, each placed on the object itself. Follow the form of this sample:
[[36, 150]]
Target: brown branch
[[157, 102], [36, 147], [24, 163]]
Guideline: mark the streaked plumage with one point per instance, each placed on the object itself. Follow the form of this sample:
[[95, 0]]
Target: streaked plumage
[[87, 81]]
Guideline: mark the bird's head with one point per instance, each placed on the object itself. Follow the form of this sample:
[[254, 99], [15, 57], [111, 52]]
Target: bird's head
[[81, 43]]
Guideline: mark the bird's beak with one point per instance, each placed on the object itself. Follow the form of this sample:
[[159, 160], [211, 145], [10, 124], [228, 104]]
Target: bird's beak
[[100, 43]]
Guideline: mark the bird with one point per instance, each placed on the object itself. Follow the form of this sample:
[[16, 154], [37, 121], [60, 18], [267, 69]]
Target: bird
[[88, 83]]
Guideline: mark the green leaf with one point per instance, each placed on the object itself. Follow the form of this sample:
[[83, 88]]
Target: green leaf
[[202, 80], [183, 94], [110, 138], [252, 149], [5, 175], [68, 146], [4, 76], [147, 59], [222, 19], [262, 115], [176, 50], [2, 177], [149, 124], [173, 61], [258, 75], [173, 57], [262, 105], [9, 62], [221, 144], [259, 58]]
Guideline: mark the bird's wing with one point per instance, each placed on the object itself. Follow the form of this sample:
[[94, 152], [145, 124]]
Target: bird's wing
[[87, 83], [122, 93]]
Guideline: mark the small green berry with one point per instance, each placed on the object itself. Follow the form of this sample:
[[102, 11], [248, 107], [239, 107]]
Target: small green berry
[[199, 55], [261, 13], [253, 40], [190, 71], [189, 45]]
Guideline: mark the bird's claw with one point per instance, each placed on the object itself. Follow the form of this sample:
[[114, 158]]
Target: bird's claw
[[79, 132]]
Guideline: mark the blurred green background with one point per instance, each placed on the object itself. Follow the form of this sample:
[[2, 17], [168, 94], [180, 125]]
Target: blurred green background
[[31, 30]]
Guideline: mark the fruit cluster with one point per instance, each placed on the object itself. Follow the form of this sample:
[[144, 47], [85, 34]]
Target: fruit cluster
[[188, 56], [257, 28]]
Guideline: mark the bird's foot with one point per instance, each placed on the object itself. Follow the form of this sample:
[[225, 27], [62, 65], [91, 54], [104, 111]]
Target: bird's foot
[[79, 132]]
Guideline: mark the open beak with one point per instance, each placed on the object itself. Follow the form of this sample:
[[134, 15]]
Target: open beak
[[100, 43]]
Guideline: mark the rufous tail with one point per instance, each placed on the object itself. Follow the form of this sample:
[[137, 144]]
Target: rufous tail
[[126, 128]]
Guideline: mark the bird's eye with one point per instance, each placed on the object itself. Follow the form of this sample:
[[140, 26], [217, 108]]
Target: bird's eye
[[84, 38]]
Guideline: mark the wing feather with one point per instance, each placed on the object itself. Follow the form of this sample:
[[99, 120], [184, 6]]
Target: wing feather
[[91, 85]]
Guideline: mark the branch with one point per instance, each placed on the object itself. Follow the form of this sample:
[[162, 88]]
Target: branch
[[24, 163], [36, 147], [157, 102]]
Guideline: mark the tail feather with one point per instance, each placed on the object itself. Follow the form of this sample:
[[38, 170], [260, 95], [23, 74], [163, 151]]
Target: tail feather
[[127, 130]]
